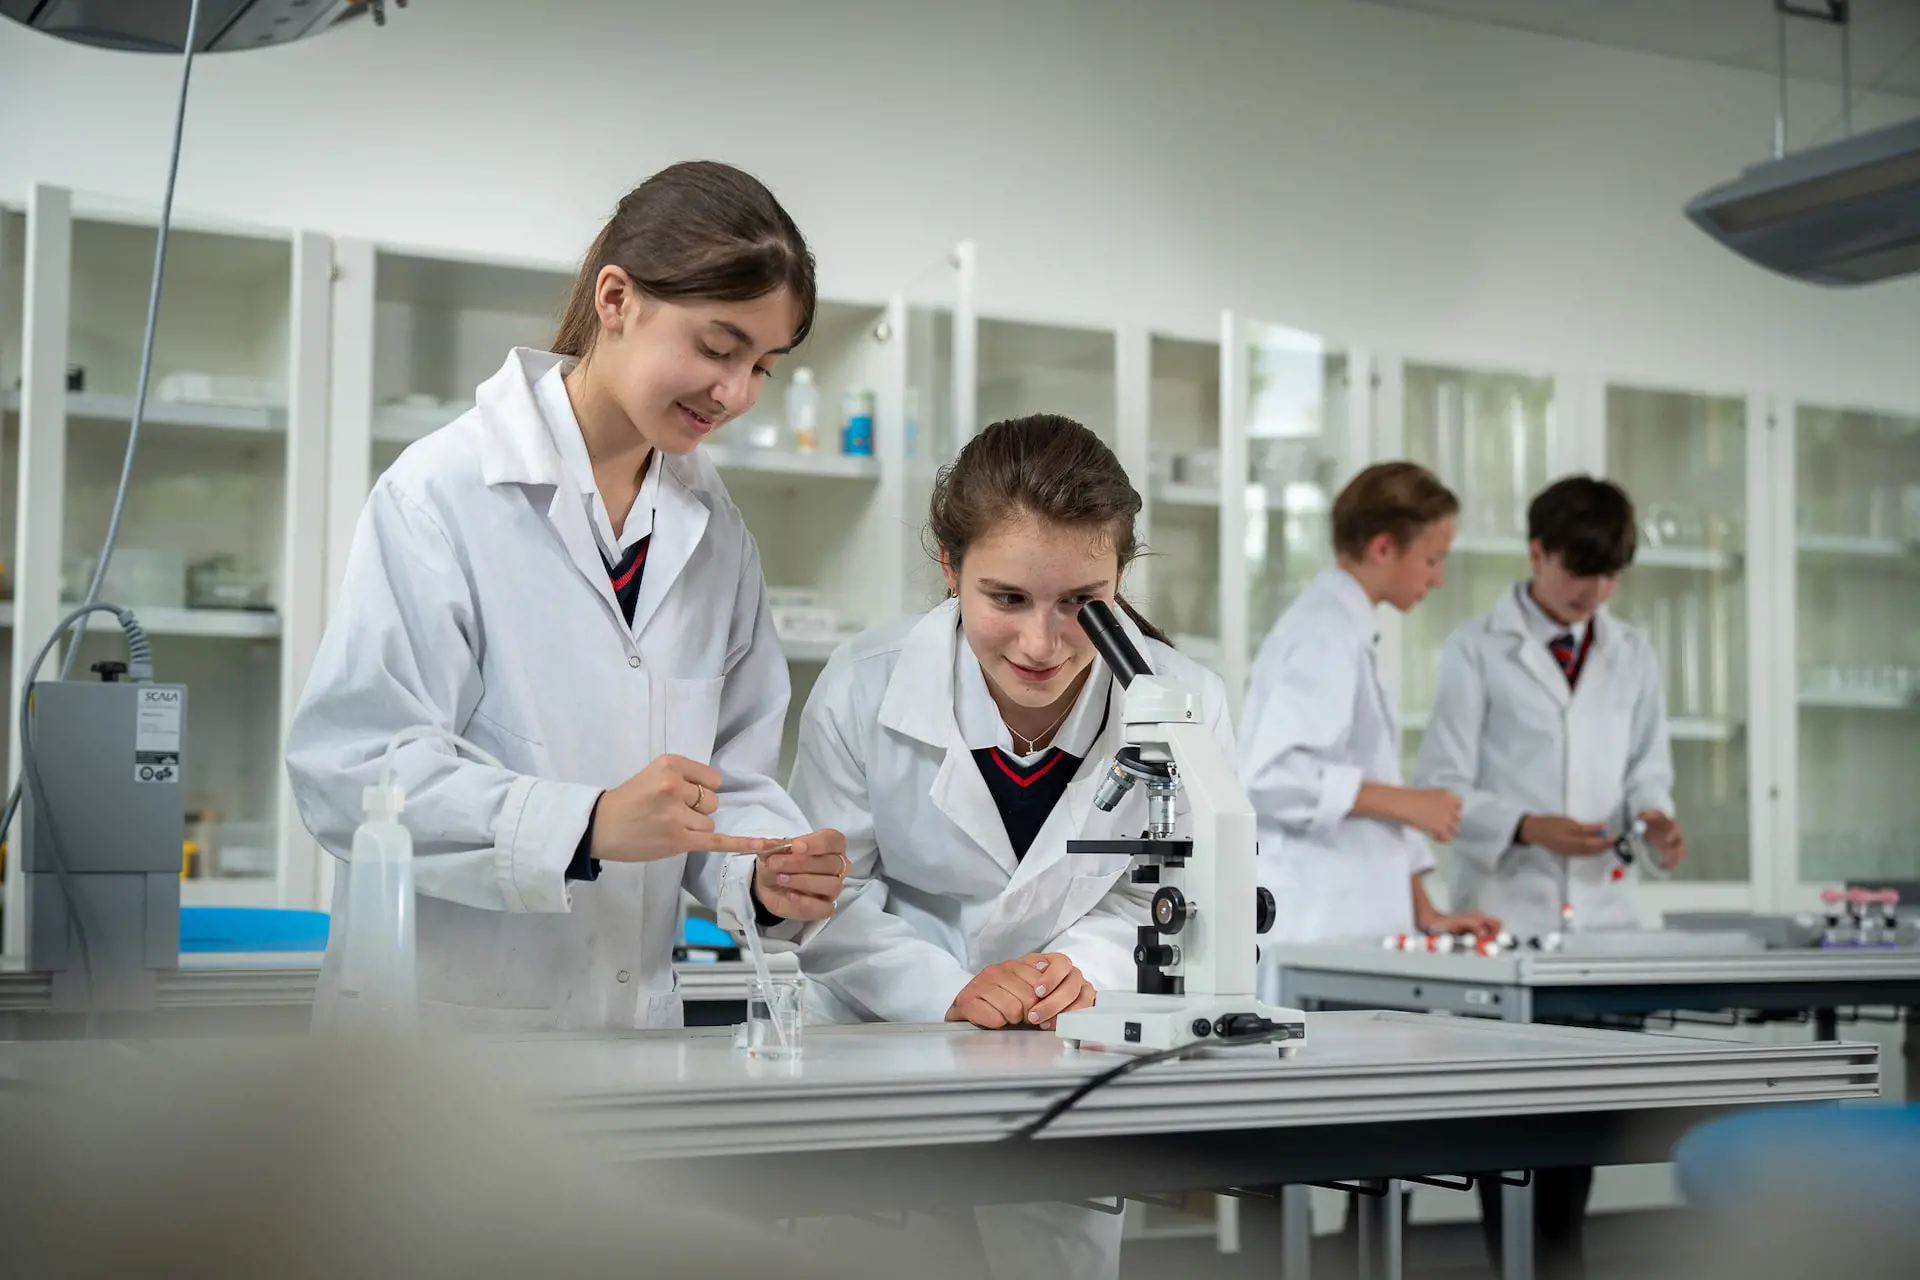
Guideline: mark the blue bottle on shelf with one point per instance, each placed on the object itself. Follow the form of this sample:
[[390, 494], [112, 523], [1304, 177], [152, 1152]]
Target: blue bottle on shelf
[[856, 424]]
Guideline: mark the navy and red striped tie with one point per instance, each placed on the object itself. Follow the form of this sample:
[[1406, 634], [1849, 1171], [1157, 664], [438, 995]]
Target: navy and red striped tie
[[1568, 655]]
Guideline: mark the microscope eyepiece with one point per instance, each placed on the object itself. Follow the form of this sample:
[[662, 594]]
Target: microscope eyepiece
[[1110, 639]]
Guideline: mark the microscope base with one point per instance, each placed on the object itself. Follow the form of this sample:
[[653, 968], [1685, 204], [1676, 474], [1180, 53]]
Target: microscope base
[[1128, 1023]]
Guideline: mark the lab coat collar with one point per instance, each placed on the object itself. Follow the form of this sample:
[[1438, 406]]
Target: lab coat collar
[[680, 521], [1345, 590], [982, 725], [556, 408], [919, 701], [1544, 628], [1510, 616], [919, 698], [517, 447]]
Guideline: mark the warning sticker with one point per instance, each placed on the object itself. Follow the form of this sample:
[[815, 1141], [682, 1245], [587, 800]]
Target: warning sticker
[[158, 726], [156, 766]]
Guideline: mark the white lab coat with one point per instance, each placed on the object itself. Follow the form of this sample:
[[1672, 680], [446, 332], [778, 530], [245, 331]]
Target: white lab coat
[[935, 894], [1318, 723], [1510, 738], [475, 599]]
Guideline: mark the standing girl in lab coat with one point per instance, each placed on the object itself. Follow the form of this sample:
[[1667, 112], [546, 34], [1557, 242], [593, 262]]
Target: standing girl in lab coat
[[959, 751], [559, 577], [1343, 845]]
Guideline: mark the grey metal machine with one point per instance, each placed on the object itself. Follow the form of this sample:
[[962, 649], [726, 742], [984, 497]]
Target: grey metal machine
[[102, 821]]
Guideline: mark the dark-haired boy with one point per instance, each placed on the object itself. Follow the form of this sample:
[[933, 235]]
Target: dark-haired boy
[[1549, 721]]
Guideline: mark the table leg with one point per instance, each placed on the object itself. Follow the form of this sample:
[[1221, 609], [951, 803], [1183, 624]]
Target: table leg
[[1911, 1052], [1296, 1232], [1826, 1024], [1382, 1234], [1516, 1231]]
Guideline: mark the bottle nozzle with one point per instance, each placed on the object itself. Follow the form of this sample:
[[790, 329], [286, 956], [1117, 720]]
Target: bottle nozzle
[[380, 802]]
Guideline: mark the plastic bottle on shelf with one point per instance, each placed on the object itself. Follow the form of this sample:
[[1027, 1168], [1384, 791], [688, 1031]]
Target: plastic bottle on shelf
[[803, 411], [856, 424]]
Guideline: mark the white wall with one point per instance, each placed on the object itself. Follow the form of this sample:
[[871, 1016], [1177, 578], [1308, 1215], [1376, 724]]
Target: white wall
[[1453, 190]]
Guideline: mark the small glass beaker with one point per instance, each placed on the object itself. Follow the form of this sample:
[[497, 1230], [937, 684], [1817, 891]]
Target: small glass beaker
[[776, 1017]]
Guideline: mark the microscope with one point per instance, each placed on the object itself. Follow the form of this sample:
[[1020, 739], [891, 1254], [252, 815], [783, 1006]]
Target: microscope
[[1195, 963]]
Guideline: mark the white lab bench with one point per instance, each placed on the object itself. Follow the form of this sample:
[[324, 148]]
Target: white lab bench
[[1526, 986], [905, 1117], [901, 1117]]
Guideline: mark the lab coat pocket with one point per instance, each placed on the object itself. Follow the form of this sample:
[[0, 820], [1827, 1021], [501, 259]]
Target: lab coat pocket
[[1087, 890], [486, 731], [690, 717]]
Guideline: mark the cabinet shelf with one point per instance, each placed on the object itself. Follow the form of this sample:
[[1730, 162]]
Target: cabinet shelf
[[1705, 559], [1186, 495], [777, 462], [1863, 700], [1488, 544], [238, 624], [1851, 546], [1171, 494], [117, 410], [1702, 729], [404, 424]]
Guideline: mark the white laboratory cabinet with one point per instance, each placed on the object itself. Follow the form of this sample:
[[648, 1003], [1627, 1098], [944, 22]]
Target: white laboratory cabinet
[[1848, 614], [1778, 573], [1250, 438], [221, 542]]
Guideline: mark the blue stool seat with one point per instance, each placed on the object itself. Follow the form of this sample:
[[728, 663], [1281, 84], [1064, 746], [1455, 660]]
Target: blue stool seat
[[212, 930], [1868, 1155]]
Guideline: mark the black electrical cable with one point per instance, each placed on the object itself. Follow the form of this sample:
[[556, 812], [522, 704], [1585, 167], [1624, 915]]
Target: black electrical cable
[[146, 364], [1065, 1104]]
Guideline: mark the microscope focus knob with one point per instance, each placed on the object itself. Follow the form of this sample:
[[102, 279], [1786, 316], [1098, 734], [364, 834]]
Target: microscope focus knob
[[1162, 955], [1263, 910], [1170, 910]]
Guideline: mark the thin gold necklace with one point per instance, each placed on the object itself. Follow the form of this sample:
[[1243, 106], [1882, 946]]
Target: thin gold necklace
[[1033, 743]]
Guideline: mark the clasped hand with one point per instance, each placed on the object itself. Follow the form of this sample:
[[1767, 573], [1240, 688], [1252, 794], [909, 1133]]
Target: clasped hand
[[1029, 992]]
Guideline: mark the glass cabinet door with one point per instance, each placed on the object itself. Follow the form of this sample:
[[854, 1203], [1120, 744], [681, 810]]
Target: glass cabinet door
[[441, 327], [1183, 494], [1683, 459], [1297, 455], [1487, 436], [1857, 528], [939, 412], [1042, 368]]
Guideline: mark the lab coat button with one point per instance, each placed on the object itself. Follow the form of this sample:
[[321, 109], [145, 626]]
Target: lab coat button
[[622, 976], [633, 660]]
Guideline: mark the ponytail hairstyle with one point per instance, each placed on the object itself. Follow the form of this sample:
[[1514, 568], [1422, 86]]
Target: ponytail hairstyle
[[1044, 466], [695, 231], [1399, 499]]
